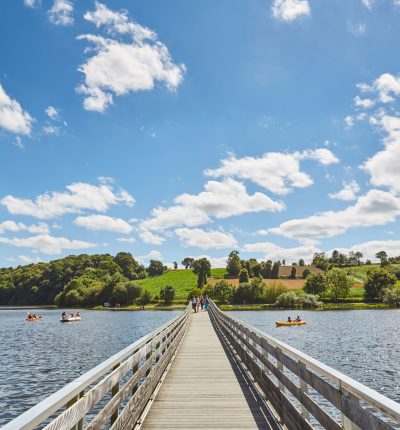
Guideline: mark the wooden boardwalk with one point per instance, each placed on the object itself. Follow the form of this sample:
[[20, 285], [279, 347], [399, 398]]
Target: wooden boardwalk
[[204, 387]]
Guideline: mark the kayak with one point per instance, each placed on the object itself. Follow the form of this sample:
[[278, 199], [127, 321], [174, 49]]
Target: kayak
[[70, 319], [32, 319], [286, 323]]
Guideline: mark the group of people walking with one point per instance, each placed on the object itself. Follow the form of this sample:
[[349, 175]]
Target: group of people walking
[[199, 302]]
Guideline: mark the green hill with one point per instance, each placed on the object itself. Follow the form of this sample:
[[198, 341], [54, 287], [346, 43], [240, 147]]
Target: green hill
[[182, 280]]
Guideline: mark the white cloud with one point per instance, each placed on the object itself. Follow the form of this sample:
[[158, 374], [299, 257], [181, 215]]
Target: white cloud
[[212, 239], [220, 200], [384, 165], [368, 3], [370, 248], [52, 113], [289, 10], [364, 103], [47, 244], [18, 142], [118, 68], [275, 171], [12, 117], [25, 259], [51, 130], [126, 239], [216, 262], [150, 238], [386, 86], [19, 226], [61, 13], [349, 121], [78, 197], [262, 232], [374, 208], [271, 251], [31, 3], [348, 192], [152, 255], [103, 222]]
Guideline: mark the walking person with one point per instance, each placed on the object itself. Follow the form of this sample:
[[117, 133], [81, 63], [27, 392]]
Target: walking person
[[198, 304], [206, 303], [194, 304], [201, 302]]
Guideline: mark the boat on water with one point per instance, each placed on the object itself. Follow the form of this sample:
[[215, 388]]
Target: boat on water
[[70, 319], [32, 318], [287, 323]]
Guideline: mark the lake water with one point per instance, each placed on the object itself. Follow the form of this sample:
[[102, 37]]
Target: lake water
[[364, 344], [39, 357]]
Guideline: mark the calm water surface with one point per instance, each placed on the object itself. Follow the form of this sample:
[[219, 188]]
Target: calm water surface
[[364, 344], [39, 357]]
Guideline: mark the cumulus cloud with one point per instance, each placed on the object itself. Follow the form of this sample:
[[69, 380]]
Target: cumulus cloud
[[348, 192], [78, 197], [19, 226], [150, 238], [211, 239], [12, 117], [275, 171], [61, 13], [31, 3], [370, 248], [52, 113], [46, 243], [374, 208], [152, 255], [367, 3], [219, 199], [386, 87], [289, 10], [126, 239], [119, 67], [364, 103], [271, 251], [103, 222]]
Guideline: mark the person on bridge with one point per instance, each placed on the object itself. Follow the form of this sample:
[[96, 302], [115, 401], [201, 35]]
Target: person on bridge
[[206, 303], [194, 303]]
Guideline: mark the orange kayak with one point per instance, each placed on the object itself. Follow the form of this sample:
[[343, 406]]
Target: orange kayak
[[286, 323]]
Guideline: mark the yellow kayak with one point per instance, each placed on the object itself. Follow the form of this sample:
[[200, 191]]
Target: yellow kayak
[[32, 319], [286, 323]]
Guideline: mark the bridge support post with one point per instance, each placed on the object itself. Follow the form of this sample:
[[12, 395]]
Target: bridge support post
[[114, 391], [304, 388], [279, 365], [79, 425]]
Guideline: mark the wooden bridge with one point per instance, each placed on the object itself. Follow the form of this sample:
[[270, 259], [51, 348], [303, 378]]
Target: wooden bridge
[[211, 371]]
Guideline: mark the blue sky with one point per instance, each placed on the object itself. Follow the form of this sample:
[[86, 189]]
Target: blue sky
[[194, 128]]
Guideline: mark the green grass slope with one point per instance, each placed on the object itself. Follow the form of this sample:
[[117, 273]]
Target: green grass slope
[[182, 280], [359, 273]]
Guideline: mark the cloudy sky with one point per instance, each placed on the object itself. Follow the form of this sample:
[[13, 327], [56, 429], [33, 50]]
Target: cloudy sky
[[172, 129]]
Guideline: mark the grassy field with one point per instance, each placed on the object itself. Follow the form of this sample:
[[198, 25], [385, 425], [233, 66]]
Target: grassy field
[[185, 280]]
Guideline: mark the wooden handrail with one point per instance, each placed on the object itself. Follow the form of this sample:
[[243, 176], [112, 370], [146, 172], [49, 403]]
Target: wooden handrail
[[343, 392], [164, 340]]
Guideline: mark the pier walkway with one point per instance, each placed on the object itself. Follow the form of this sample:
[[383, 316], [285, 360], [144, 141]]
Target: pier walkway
[[204, 388], [211, 371]]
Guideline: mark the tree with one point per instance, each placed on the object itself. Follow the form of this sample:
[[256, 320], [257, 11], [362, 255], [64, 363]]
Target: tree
[[144, 299], [233, 265], [175, 265], [338, 284], [358, 255], [301, 262], [283, 262], [222, 292], [243, 276], [167, 294], [391, 296], [266, 269], [315, 284], [378, 280], [335, 257], [305, 273], [320, 261], [275, 270], [382, 256], [126, 292], [187, 262], [293, 272], [156, 268], [202, 268], [127, 264]]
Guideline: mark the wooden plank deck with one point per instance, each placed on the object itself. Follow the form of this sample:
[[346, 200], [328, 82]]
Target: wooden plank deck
[[204, 388]]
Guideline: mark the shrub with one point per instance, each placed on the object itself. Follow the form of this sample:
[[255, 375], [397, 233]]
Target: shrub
[[391, 296], [306, 273], [243, 276], [378, 280], [144, 299], [293, 272], [195, 292], [221, 293], [292, 300], [167, 294], [338, 284], [315, 284], [272, 292]]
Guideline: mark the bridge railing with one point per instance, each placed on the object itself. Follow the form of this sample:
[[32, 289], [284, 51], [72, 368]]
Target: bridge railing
[[114, 393], [303, 392]]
